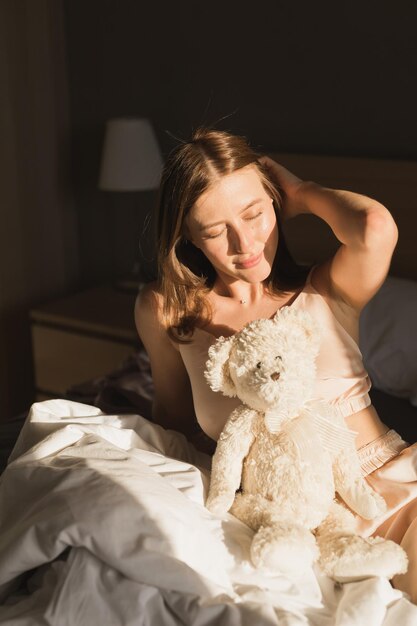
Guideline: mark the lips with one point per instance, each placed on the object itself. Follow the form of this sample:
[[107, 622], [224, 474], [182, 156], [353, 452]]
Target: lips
[[251, 262]]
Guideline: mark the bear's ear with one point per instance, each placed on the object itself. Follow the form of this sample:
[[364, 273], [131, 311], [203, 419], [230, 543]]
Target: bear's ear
[[217, 372], [300, 325]]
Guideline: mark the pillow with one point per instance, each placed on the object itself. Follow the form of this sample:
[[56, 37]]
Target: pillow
[[388, 339]]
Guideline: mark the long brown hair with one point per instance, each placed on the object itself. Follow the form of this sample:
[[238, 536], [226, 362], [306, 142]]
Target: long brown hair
[[185, 275]]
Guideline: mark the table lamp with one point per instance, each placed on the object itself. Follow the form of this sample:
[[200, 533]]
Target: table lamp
[[131, 161]]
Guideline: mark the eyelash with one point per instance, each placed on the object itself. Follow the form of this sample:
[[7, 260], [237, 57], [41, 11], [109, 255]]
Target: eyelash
[[248, 219], [213, 236], [254, 216]]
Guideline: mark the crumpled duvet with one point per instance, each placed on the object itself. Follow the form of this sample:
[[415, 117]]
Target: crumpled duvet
[[102, 521]]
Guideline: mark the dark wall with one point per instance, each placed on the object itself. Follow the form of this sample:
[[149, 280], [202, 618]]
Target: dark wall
[[324, 77], [39, 230]]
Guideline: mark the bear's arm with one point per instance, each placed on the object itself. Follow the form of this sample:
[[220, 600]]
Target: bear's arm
[[352, 486], [348, 479], [233, 445]]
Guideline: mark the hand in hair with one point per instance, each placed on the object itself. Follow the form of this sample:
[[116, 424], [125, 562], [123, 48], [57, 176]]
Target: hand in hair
[[288, 185]]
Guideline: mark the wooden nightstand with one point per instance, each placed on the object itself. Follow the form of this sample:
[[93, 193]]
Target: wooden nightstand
[[81, 337]]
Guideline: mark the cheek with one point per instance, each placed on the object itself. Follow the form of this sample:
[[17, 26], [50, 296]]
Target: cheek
[[268, 224], [214, 250], [270, 233]]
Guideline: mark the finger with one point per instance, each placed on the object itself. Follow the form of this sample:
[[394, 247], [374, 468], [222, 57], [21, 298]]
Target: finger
[[267, 161]]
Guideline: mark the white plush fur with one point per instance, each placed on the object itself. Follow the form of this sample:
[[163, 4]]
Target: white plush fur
[[275, 446]]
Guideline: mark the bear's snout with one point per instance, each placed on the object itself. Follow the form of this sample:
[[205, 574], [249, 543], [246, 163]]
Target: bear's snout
[[275, 375]]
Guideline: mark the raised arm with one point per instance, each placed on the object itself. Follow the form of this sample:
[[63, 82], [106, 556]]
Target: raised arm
[[173, 402], [365, 228]]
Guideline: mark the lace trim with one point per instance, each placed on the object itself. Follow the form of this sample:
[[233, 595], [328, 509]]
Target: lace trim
[[376, 453]]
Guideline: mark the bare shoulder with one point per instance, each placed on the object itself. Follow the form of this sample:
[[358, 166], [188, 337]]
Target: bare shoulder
[[148, 301], [148, 314]]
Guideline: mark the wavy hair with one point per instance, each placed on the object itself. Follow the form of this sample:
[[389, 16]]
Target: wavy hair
[[185, 275]]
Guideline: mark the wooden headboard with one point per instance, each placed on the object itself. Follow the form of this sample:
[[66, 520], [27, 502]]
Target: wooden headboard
[[393, 183]]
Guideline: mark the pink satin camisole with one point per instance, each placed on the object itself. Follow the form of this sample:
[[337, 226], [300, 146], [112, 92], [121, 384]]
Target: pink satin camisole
[[341, 378]]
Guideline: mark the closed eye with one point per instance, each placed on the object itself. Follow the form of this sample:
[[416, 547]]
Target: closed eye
[[248, 219], [214, 236], [253, 217]]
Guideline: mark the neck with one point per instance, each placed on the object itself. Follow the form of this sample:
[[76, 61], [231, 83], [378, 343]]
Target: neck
[[242, 292]]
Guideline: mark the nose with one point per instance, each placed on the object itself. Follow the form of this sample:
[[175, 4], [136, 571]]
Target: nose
[[275, 375], [242, 239]]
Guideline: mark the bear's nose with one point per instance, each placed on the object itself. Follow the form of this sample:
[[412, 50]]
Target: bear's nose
[[275, 375]]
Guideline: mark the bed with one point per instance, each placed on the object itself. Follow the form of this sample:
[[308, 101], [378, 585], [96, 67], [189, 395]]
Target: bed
[[102, 516]]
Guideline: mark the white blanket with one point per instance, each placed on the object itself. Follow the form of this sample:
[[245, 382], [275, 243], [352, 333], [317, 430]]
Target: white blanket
[[102, 521]]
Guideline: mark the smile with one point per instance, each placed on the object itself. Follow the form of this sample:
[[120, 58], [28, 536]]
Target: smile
[[254, 260]]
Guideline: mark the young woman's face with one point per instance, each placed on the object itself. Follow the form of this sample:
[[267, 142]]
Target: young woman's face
[[234, 224]]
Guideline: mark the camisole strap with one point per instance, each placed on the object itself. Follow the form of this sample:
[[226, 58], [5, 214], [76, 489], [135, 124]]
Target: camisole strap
[[308, 279]]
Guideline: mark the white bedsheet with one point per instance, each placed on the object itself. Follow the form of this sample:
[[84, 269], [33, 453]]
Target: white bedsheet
[[102, 521]]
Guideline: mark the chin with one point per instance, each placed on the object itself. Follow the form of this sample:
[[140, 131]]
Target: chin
[[256, 274]]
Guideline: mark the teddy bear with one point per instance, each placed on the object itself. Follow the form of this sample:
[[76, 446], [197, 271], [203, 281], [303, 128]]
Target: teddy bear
[[285, 463]]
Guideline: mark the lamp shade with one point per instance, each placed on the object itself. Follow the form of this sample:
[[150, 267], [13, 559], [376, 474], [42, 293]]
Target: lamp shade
[[131, 158]]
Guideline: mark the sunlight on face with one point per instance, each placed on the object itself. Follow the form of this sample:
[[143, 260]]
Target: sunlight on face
[[234, 225]]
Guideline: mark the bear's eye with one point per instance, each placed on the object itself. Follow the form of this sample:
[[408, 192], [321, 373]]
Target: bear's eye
[[258, 365], [279, 357]]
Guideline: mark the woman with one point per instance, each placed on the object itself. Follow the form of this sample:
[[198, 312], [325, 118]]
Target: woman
[[223, 262]]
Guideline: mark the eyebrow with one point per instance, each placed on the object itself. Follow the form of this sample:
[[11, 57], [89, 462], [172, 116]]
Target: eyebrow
[[251, 203]]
